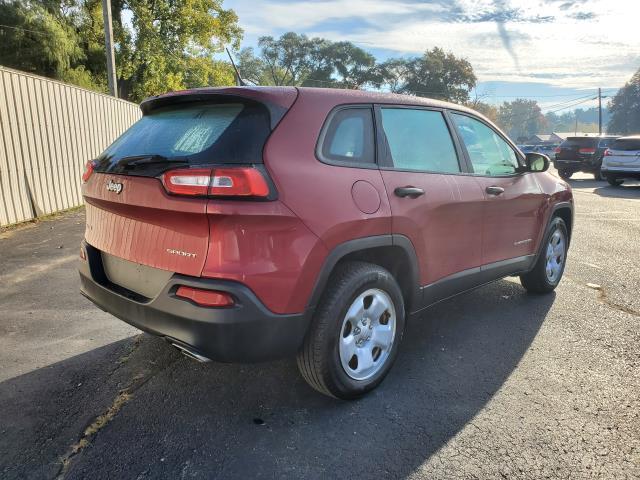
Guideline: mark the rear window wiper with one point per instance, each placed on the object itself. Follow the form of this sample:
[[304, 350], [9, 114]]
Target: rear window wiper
[[134, 161]]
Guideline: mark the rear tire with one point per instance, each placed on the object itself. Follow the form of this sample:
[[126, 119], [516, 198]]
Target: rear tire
[[549, 267], [565, 174], [358, 311], [598, 175], [613, 181]]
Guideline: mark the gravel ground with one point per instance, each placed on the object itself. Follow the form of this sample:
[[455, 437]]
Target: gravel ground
[[492, 384]]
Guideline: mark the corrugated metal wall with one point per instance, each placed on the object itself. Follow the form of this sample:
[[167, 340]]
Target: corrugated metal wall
[[48, 130]]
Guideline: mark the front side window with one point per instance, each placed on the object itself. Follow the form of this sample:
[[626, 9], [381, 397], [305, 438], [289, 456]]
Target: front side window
[[419, 140], [349, 137], [489, 153]]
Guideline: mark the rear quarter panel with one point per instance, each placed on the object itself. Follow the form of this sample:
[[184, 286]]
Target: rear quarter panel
[[320, 194]]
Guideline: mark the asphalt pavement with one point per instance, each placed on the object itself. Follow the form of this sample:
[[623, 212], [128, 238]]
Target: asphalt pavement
[[493, 384]]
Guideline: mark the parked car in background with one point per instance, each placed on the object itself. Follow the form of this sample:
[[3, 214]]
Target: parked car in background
[[581, 154], [527, 148], [548, 150], [253, 223], [621, 160]]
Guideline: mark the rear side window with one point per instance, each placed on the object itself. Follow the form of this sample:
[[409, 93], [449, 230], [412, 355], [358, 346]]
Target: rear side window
[[349, 137], [191, 134], [626, 144], [419, 140]]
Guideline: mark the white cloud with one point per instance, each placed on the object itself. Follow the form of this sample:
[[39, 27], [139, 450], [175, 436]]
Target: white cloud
[[563, 43]]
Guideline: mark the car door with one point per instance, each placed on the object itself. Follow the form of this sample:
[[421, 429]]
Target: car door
[[432, 202], [514, 200]]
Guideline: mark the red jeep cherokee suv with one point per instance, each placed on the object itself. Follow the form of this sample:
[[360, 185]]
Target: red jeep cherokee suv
[[251, 223]]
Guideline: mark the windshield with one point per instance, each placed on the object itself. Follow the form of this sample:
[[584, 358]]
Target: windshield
[[626, 144], [191, 133]]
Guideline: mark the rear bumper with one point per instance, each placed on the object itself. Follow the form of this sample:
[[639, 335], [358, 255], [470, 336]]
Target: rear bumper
[[246, 332], [587, 164], [621, 172]]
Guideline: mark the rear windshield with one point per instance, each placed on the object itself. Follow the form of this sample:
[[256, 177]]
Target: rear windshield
[[189, 134], [626, 144], [580, 142], [606, 142]]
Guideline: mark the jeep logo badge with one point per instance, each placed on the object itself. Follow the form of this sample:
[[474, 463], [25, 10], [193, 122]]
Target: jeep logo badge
[[114, 186]]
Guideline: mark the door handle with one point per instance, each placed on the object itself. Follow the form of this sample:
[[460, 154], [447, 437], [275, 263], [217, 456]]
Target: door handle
[[495, 190], [411, 192]]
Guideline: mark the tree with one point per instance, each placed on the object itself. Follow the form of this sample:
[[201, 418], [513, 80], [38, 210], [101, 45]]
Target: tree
[[488, 110], [295, 59], [521, 118], [392, 74], [167, 45], [440, 75], [625, 108], [170, 39], [436, 74], [41, 38], [353, 67]]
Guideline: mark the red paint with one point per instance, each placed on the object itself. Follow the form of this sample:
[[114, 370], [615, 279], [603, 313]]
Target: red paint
[[365, 196], [444, 225], [277, 247]]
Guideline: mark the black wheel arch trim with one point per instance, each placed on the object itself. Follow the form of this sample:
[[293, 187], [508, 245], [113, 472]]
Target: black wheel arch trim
[[365, 243], [556, 206]]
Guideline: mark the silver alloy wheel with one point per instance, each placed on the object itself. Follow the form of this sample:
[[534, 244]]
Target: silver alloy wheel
[[367, 334], [555, 256]]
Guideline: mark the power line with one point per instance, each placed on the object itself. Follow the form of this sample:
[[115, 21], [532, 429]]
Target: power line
[[25, 30]]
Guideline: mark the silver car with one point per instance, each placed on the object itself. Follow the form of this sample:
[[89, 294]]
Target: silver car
[[621, 160]]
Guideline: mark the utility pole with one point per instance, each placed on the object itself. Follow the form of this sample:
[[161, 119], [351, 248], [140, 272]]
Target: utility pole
[[108, 45], [575, 131], [599, 111]]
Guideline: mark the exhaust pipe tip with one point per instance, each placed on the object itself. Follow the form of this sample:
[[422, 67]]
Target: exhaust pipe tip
[[191, 354]]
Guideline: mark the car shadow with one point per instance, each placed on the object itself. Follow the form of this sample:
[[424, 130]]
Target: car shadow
[[629, 189], [166, 416]]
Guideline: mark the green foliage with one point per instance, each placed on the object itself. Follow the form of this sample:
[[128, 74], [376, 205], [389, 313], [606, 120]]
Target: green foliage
[[486, 109], [625, 108], [169, 44], [438, 74], [291, 59], [521, 118], [296, 59], [172, 45], [37, 40]]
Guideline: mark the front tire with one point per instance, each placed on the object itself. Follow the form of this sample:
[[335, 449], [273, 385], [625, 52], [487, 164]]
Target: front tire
[[549, 267], [356, 332], [565, 174]]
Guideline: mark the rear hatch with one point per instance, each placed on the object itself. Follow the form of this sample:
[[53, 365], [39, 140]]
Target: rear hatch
[[577, 148], [134, 217], [624, 152]]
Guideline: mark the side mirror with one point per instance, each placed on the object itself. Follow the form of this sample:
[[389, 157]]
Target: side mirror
[[537, 162]]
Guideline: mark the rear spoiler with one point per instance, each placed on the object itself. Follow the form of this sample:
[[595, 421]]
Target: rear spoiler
[[277, 100]]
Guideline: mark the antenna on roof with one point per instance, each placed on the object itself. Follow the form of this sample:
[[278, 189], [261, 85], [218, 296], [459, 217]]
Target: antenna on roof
[[239, 80]]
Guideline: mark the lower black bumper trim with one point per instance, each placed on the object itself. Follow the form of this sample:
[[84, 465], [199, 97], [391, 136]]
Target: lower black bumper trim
[[246, 332]]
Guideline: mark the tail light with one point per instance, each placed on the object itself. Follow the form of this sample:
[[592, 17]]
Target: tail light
[[556, 150], [205, 298], [587, 151], [607, 153], [88, 170], [216, 182]]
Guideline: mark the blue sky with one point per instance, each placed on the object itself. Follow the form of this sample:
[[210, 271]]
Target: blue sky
[[551, 50]]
